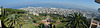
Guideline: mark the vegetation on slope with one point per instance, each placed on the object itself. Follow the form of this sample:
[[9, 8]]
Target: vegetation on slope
[[14, 18]]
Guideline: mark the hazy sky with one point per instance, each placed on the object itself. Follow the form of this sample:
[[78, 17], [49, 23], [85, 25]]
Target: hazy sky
[[76, 3]]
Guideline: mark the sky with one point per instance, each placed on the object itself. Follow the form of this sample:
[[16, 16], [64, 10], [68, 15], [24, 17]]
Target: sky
[[73, 3]]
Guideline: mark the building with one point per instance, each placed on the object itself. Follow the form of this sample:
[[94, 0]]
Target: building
[[34, 13], [0, 11]]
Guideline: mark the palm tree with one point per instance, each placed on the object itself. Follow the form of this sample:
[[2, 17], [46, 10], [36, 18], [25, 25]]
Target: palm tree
[[76, 21], [13, 20]]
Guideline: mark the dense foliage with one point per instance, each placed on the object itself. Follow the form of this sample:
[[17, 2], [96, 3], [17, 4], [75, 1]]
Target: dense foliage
[[97, 19], [9, 11]]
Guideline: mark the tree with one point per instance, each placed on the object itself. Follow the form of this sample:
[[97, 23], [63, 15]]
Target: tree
[[97, 1], [13, 20], [76, 21], [50, 25], [41, 25], [97, 19]]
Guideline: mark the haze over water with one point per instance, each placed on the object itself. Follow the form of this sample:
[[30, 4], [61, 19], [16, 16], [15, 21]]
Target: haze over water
[[84, 4]]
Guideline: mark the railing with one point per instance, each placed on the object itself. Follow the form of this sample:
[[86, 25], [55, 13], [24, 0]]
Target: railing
[[94, 22]]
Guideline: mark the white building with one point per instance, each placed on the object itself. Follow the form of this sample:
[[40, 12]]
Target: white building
[[0, 11], [35, 14]]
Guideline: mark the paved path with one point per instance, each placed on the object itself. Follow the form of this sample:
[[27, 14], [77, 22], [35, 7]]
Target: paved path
[[94, 22]]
